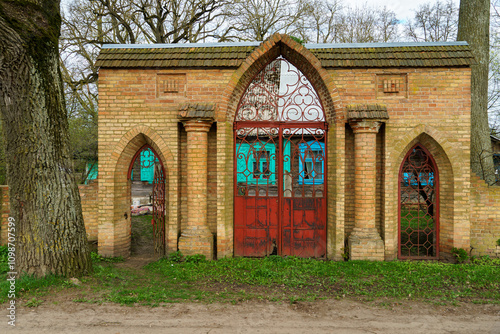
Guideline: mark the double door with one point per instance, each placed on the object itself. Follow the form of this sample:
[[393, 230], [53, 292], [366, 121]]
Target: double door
[[280, 189]]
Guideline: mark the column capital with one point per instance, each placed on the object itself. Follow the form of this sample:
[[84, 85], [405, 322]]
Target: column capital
[[364, 126], [197, 125]]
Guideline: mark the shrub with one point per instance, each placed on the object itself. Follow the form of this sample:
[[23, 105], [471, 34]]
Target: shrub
[[460, 254], [197, 258], [175, 257]]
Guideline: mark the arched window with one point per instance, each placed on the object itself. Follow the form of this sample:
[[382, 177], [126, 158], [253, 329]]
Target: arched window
[[418, 205]]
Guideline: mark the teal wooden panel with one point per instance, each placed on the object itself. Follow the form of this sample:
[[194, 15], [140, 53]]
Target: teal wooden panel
[[147, 159], [314, 146]]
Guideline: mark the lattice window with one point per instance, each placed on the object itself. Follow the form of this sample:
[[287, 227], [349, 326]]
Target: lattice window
[[418, 205]]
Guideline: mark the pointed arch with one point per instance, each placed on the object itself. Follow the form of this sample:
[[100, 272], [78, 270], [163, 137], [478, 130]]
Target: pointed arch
[[418, 205], [328, 94], [300, 57], [131, 142], [441, 150], [434, 140], [119, 190]]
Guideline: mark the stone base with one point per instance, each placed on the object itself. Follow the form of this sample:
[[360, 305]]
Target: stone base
[[197, 244], [366, 245]]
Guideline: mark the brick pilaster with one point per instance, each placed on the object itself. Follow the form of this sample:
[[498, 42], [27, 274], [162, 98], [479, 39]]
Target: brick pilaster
[[196, 237], [365, 242]]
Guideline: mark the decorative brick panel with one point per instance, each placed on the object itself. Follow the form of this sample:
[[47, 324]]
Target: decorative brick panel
[[170, 85], [391, 85]]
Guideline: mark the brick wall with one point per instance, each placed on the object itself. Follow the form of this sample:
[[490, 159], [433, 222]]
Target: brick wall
[[432, 106], [183, 177], [134, 110], [380, 177], [349, 181], [88, 195], [212, 180], [435, 111], [89, 199], [485, 218]]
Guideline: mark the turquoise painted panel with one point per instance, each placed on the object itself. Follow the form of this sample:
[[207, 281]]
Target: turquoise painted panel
[[252, 163], [147, 163], [311, 166], [93, 172]]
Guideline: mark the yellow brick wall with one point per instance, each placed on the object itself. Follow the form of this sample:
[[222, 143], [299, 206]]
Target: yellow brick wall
[[485, 218], [89, 199], [133, 111], [433, 109]]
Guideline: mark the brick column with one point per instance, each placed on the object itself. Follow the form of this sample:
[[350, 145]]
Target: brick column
[[365, 242], [196, 238]]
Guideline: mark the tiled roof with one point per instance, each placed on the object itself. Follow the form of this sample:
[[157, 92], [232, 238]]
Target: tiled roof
[[174, 57], [197, 110], [367, 111], [399, 56], [337, 56]]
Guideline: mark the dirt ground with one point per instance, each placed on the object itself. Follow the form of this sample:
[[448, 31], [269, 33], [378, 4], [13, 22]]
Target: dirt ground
[[328, 316], [59, 314]]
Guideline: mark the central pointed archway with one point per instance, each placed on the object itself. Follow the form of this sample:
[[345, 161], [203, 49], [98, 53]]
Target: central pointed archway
[[280, 166]]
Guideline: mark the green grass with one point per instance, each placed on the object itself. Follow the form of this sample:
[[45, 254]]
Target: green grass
[[409, 218], [144, 226], [273, 278]]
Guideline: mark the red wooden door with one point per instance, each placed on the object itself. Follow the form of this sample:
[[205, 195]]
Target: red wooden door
[[280, 166], [280, 197], [303, 221]]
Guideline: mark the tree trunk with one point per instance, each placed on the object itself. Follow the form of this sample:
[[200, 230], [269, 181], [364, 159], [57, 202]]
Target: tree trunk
[[44, 197], [473, 27]]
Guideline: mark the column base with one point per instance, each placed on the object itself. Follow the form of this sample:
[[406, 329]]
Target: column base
[[197, 244], [366, 244]]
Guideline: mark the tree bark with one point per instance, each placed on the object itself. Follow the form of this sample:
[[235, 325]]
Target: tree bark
[[473, 27], [44, 197]]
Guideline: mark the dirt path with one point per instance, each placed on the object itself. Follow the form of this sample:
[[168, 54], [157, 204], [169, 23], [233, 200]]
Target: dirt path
[[329, 316]]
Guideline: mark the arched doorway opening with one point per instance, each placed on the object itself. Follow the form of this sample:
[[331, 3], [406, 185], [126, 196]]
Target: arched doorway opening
[[418, 213], [280, 169], [147, 176]]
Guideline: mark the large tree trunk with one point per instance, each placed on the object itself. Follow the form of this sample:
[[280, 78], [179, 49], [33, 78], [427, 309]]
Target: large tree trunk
[[44, 197], [473, 27]]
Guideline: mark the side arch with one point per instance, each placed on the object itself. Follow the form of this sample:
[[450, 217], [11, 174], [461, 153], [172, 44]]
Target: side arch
[[418, 205], [441, 150], [141, 135], [116, 194]]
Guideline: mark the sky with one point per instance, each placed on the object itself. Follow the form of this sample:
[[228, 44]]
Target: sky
[[403, 8]]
